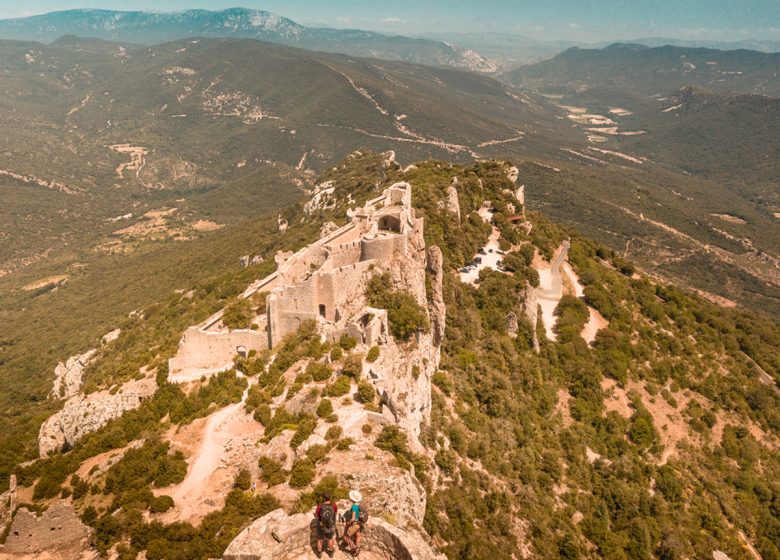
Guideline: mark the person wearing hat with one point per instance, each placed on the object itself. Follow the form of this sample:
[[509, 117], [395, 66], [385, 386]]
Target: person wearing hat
[[354, 519]]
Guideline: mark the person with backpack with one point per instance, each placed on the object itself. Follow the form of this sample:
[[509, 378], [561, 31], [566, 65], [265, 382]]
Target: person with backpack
[[326, 524], [355, 520]]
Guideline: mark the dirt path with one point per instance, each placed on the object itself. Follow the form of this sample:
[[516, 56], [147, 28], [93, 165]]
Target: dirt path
[[550, 290], [490, 257], [210, 472]]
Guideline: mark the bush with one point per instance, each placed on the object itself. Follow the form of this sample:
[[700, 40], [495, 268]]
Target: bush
[[319, 372], [367, 429], [347, 342], [404, 314], [394, 440], [338, 388], [243, 480], [325, 408], [443, 382], [271, 471], [302, 473], [353, 366], [333, 433], [306, 426], [336, 354], [366, 392], [238, 315], [373, 354], [344, 444], [161, 504]]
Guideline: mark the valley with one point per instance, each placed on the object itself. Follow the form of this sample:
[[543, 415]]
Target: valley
[[527, 307]]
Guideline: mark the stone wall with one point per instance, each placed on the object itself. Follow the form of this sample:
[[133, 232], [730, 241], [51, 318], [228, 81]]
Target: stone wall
[[208, 350], [57, 529]]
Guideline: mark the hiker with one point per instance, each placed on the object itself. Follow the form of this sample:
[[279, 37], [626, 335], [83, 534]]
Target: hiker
[[326, 524], [355, 520]]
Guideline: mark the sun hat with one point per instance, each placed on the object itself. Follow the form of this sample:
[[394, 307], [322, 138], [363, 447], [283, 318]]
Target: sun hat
[[355, 496]]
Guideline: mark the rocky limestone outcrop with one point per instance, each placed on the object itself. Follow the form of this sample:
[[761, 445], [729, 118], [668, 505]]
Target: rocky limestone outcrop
[[436, 307], [453, 204], [277, 536], [520, 195], [58, 532], [531, 311], [281, 223], [68, 375], [328, 228], [83, 414], [246, 261]]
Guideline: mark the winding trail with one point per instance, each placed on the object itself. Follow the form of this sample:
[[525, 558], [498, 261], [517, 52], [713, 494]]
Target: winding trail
[[193, 494], [550, 290]]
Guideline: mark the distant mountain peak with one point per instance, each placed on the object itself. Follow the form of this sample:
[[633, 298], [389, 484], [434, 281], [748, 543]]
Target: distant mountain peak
[[158, 27]]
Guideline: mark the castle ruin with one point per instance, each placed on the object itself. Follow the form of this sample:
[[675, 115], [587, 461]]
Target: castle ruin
[[324, 282]]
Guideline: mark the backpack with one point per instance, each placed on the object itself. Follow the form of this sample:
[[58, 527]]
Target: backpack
[[362, 516], [327, 518]]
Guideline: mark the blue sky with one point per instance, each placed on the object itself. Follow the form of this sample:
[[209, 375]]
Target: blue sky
[[580, 20]]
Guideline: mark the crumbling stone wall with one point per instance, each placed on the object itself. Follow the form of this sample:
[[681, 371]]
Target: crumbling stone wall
[[57, 529]]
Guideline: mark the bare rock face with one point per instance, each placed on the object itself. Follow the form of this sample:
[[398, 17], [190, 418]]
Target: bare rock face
[[277, 536], [58, 532], [453, 204], [436, 307], [68, 375], [281, 223], [520, 195], [511, 324], [83, 414], [328, 228], [531, 311]]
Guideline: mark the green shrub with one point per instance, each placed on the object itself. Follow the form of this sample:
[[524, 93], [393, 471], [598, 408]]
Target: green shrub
[[272, 471], [443, 382], [340, 387], [333, 433], [367, 429], [243, 480], [336, 353], [344, 444], [306, 426], [347, 342], [395, 440], [263, 414], [161, 504], [302, 473], [373, 354], [317, 453], [353, 366], [366, 391], [404, 314], [238, 314], [325, 408], [319, 372]]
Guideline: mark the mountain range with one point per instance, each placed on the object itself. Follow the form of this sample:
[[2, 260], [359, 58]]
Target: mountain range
[[152, 27]]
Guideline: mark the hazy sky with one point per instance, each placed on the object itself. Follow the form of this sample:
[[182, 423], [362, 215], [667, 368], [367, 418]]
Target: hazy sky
[[581, 20]]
